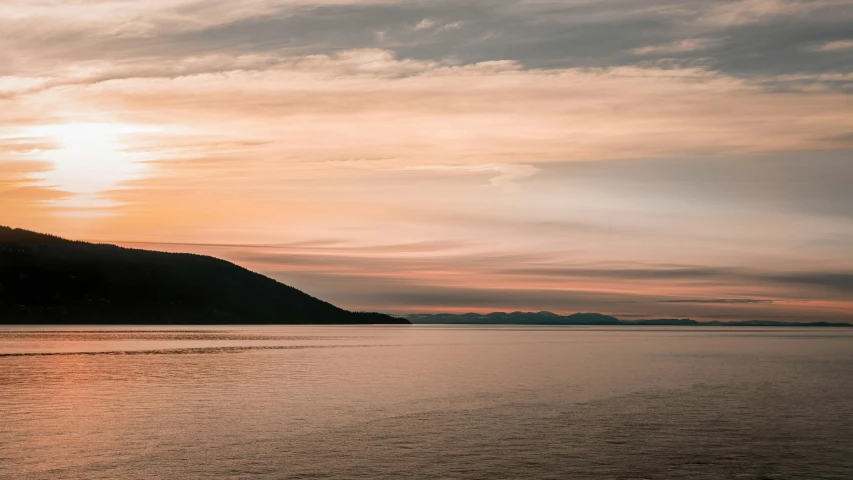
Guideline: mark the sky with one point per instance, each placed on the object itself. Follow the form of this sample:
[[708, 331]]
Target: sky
[[644, 159]]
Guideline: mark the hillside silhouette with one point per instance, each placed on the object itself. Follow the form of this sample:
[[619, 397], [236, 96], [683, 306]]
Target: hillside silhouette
[[49, 280], [592, 319]]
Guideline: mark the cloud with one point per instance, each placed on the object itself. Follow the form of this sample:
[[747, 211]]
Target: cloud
[[680, 46], [127, 18], [508, 174], [808, 185], [835, 46], [451, 26], [743, 12], [632, 273], [538, 34], [445, 112], [725, 301], [425, 24], [837, 281]]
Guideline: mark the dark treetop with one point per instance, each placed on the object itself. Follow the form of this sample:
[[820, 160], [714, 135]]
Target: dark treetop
[[50, 280]]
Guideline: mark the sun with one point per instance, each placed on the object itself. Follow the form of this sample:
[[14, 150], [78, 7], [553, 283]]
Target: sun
[[89, 159]]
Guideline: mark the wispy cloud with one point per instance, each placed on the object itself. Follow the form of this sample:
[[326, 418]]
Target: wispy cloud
[[680, 46], [425, 24], [743, 12], [835, 46], [506, 178], [721, 301]]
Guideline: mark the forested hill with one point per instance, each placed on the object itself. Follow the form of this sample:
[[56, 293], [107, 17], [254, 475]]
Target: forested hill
[[49, 280]]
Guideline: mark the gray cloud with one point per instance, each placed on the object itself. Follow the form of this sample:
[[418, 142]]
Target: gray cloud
[[786, 40], [836, 281], [630, 273], [327, 245], [724, 301], [807, 182]]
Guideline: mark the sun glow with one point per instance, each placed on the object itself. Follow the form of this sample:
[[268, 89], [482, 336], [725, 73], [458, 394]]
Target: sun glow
[[88, 159]]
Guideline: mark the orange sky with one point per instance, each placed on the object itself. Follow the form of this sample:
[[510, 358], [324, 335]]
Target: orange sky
[[649, 160]]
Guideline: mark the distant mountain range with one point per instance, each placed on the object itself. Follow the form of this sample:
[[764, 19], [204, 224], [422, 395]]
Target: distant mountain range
[[548, 318], [50, 280]]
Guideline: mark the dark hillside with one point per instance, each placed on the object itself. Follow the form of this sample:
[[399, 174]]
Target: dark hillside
[[46, 279]]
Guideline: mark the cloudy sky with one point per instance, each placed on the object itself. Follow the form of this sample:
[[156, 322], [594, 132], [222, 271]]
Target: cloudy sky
[[659, 158]]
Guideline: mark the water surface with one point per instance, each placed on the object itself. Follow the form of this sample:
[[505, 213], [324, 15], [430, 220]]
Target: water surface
[[426, 402]]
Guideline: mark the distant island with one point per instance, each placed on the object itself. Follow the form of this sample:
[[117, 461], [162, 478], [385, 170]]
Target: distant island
[[49, 280], [548, 318]]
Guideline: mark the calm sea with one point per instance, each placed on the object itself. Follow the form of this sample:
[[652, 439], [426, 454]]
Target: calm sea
[[426, 402]]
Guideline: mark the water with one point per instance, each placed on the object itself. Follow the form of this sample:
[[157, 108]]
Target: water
[[426, 402]]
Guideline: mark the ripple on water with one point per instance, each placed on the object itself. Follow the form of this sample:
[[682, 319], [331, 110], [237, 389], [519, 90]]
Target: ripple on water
[[338, 403]]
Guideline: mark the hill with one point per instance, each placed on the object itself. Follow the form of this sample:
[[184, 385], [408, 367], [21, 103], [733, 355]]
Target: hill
[[548, 318], [49, 280], [516, 318]]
